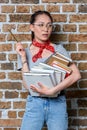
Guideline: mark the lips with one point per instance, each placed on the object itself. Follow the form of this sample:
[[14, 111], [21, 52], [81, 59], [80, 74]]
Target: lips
[[46, 35]]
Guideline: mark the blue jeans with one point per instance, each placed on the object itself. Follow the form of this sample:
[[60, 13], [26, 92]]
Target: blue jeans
[[51, 111]]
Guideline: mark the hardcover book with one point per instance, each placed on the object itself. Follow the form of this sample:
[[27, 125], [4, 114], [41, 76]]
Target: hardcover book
[[57, 60], [50, 73], [34, 78], [56, 75], [63, 58]]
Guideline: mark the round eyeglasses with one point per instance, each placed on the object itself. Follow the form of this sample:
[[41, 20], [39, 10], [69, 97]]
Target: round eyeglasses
[[49, 26]]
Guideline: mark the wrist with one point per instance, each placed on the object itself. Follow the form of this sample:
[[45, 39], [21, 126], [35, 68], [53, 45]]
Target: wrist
[[23, 59], [24, 62]]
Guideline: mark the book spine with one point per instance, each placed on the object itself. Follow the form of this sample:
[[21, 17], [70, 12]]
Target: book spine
[[64, 56], [64, 61], [51, 67], [66, 69]]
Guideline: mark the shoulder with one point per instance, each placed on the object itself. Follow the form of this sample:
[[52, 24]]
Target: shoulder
[[60, 48]]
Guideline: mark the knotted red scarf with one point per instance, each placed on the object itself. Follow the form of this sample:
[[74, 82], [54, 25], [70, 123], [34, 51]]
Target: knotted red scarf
[[42, 46]]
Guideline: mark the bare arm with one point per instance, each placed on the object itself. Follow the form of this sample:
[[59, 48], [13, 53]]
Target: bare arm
[[75, 76], [21, 51]]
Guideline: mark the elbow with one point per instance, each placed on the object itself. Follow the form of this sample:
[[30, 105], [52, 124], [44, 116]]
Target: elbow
[[75, 73], [77, 77]]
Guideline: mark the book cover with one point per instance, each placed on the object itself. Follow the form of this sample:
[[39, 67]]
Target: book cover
[[63, 57], [59, 70], [57, 62], [44, 66], [45, 71], [34, 78], [55, 58], [61, 66], [58, 77]]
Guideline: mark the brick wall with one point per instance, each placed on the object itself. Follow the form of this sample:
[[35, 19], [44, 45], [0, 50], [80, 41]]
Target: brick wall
[[70, 17]]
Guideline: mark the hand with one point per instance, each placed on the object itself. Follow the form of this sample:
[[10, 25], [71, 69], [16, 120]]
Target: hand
[[43, 90], [20, 50]]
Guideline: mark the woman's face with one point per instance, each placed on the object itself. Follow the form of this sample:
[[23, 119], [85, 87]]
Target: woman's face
[[42, 28]]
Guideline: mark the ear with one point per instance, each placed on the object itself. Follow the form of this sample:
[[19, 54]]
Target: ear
[[32, 27]]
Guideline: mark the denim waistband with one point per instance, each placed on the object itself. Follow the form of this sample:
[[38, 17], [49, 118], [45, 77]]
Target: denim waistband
[[50, 97]]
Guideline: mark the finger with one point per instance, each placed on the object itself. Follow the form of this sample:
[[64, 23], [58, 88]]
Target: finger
[[35, 89], [41, 85], [20, 49], [18, 44]]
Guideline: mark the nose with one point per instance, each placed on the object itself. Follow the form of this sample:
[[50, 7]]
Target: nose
[[45, 28]]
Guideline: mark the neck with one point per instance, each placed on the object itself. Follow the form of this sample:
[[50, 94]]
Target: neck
[[41, 42]]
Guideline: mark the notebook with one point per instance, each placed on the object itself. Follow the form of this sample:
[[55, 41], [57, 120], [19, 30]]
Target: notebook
[[56, 75], [34, 78]]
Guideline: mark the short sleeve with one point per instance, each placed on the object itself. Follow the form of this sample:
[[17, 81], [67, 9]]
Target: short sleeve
[[62, 50], [19, 62]]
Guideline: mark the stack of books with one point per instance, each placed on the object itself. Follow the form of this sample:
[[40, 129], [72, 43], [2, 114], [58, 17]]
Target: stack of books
[[50, 73], [60, 62]]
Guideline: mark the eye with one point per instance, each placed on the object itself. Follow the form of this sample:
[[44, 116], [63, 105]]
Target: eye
[[50, 25], [40, 24]]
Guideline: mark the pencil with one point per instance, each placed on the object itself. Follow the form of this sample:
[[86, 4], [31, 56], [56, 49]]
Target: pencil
[[13, 35]]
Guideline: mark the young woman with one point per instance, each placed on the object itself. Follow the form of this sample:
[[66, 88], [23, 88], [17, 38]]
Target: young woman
[[52, 111]]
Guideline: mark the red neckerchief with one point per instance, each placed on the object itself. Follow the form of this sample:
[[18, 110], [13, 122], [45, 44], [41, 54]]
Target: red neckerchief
[[42, 46]]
